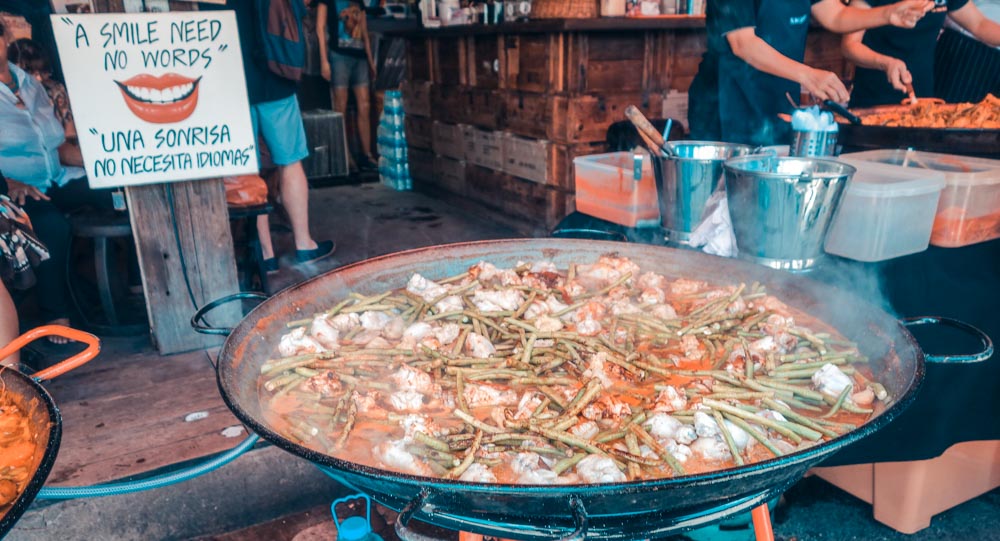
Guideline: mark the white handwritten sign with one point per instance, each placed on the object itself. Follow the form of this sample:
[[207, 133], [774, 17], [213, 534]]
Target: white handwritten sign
[[157, 97]]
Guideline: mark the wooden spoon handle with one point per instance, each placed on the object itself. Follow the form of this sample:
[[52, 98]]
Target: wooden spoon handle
[[642, 124]]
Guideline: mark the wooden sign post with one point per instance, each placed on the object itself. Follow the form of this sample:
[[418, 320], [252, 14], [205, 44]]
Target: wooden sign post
[[161, 109]]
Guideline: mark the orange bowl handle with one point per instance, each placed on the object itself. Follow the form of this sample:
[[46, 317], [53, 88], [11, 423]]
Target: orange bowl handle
[[93, 348]]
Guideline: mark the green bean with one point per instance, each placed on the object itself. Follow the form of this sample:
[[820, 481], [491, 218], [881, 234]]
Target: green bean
[[728, 437], [726, 408], [753, 433], [657, 448]]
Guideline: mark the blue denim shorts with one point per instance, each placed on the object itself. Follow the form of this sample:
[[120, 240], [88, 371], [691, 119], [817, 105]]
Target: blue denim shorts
[[279, 122], [348, 71]]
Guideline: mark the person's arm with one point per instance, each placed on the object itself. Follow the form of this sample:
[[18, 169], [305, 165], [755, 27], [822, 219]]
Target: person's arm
[[837, 17], [8, 325], [970, 18], [751, 49], [324, 59], [861, 55], [70, 154]]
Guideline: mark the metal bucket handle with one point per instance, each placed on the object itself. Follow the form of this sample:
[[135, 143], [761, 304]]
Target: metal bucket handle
[[347, 499], [93, 348], [987, 343], [580, 519], [198, 319]]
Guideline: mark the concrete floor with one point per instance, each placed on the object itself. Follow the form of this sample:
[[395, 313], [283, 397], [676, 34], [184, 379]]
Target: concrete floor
[[270, 495]]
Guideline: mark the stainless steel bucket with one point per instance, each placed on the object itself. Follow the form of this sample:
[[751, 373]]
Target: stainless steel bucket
[[685, 181], [782, 207], [813, 143]]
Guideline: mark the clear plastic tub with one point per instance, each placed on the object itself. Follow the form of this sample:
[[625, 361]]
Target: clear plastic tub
[[886, 212], [969, 209], [606, 188]]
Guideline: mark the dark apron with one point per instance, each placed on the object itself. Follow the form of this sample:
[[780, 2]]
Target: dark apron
[[750, 100]]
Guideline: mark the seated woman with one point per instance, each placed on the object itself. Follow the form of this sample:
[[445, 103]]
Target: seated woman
[[43, 176], [29, 56]]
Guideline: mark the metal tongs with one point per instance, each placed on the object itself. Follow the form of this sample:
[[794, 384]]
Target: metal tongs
[[911, 96], [655, 142]]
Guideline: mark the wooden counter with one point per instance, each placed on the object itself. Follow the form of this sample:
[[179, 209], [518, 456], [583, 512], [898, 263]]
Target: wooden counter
[[496, 113]]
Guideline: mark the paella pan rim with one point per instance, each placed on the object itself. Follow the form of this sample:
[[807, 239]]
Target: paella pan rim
[[24, 500], [802, 459]]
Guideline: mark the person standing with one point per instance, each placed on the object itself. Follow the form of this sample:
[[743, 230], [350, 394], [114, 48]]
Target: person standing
[[276, 118], [754, 58], [890, 61], [341, 26]]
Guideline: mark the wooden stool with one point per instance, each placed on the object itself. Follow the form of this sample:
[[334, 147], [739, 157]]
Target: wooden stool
[[905, 495], [101, 226], [252, 263]]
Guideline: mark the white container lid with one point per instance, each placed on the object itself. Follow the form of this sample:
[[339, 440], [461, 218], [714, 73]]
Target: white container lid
[[874, 179], [957, 170]]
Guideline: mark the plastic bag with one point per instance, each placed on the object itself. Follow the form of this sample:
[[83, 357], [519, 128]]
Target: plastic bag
[[245, 191], [714, 235]]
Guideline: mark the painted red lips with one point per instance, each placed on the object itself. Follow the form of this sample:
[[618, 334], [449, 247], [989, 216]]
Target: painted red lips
[[161, 100]]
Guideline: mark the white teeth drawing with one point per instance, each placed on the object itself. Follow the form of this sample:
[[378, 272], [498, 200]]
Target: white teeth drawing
[[153, 95]]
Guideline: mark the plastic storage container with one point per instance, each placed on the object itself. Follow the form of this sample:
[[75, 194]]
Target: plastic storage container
[[886, 212], [969, 209], [607, 188]]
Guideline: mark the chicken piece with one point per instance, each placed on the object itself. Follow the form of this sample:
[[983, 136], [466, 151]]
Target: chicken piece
[[653, 295], [539, 267], [548, 324], [479, 346], [664, 427], [378, 343], [530, 401], [625, 306], [394, 456], [711, 449], [298, 343], [574, 288], [588, 327], [366, 402], [406, 401], [864, 397], [772, 415], [651, 280], [664, 311], [325, 383], [608, 270], [394, 329], [684, 286], [607, 408], [415, 333], [705, 425], [830, 381], [692, 347], [345, 323], [408, 378], [503, 300], [483, 394], [776, 323], [324, 332], [364, 338], [489, 274], [530, 470], [416, 422], [598, 367], [599, 469], [375, 321], [670, 400], [585, 429], [451, 303], [447, 333], [427, 290], [478, 473]]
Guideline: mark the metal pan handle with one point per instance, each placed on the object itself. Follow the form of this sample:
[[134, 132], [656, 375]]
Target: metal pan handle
[[986, 352], [198, 319], [580, 519], [93, 348]]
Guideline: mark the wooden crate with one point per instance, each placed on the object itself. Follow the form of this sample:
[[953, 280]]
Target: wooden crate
[[417, 98], [449, 103], [421, 164], [613, 62], [450, 175], [484, 108], [545, 162], [530, 207], [484, 148], [449, 62], [570, 119], [419, 59], [533, 62], [485, 54], [449, 140], [420, 132]]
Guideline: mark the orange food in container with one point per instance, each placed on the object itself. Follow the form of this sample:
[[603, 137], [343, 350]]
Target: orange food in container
[[618, 187], [968, 211]]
